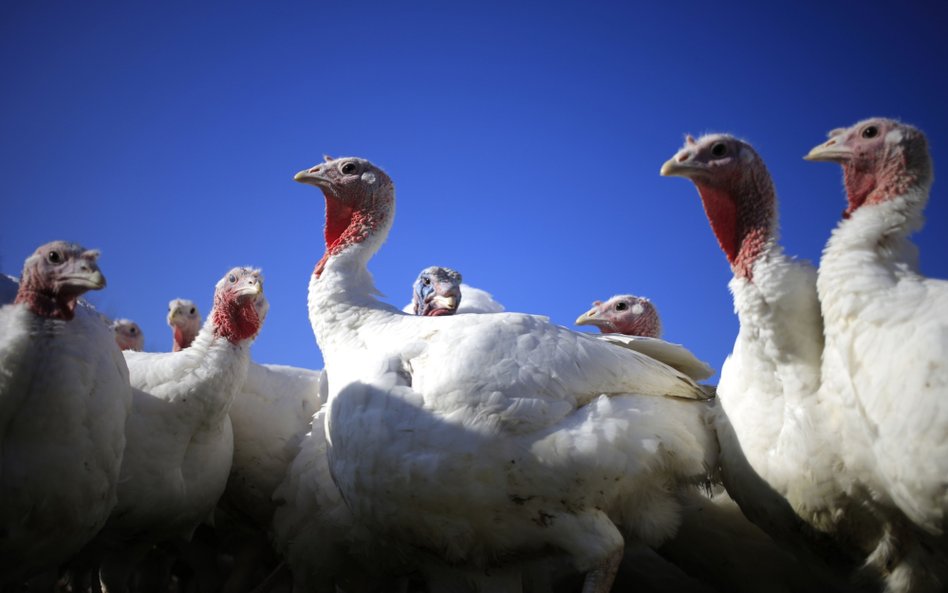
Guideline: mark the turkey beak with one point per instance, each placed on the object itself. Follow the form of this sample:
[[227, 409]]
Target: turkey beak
[[312, 177], [83, 273], [590, 317], [251, 286], [681, 165], [833, 150], [448, 303]]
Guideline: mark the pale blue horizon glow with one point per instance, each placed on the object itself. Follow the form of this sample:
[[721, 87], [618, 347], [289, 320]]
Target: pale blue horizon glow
[[524, 141]]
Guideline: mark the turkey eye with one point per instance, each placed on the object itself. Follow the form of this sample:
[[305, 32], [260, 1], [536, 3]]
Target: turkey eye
[[348, 168], [132, 331], [870, 132], [622, 306], [232, 278], [718, 150], [54, 257], [192, 310], [426, 281]]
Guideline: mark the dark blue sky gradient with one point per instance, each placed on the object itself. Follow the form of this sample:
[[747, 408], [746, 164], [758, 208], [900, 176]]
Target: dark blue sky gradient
[[524, 140]]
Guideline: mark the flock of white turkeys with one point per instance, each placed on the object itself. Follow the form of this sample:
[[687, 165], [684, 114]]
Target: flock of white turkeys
[[443, 450]]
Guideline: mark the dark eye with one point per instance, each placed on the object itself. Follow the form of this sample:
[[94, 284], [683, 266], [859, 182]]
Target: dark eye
[[870, 132], [192, 310], [132, 331], [54, 257], [232, 278], [719, 149], [426, 281], [348, 168], [622, 306]]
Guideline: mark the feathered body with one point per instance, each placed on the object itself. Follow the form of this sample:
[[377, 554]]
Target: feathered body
[[270, 415], [481, 436], [476, 300], [64, 399]]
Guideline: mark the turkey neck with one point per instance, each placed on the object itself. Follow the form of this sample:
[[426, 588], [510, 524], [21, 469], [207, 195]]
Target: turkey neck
[[775, 301], [220, 369], [870, 252], [341, 289], [742, 213]]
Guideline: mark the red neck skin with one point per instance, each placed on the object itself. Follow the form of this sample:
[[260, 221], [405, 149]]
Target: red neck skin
[[346, 225], [870, 182], [235, 319], [43, 304], [741, 215]]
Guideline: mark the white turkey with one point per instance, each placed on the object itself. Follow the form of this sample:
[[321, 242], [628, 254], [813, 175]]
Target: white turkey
[[64, 399], [180, 441], [886, 324], [184, 319], [479, 437], [778, 414], [633, 321], [128, 335]]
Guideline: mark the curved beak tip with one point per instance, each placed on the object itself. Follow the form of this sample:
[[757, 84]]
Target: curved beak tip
[[672, 168]]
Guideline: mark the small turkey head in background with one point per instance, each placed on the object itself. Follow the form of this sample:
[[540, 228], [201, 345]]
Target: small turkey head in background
[[239, 305], [881, 159], [436, 292], [128, 335], [184, 318], [624, 314], [736, 191], [359, 199], [55, 276]]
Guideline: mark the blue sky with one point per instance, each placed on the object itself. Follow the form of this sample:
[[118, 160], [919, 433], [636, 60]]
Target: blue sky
[[524, 140]]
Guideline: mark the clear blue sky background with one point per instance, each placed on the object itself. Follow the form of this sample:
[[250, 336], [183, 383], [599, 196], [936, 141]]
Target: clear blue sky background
[[524, 140]]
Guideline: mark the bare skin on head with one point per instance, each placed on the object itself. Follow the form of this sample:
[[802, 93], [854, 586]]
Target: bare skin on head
[[624, 314], [436, 292], [55, 276], [184, 318]]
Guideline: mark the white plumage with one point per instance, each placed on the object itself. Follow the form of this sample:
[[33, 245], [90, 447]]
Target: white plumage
[[886, 324], [270, 416], [180, 441], [475, 437], [476, 300], [64, 399]]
